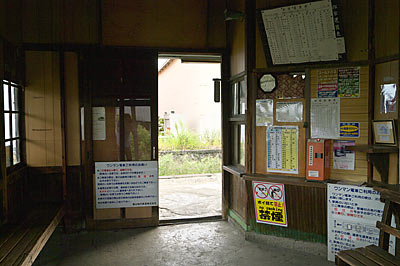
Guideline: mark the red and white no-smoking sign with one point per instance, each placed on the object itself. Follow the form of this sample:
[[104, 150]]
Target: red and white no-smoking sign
[[269, 203]]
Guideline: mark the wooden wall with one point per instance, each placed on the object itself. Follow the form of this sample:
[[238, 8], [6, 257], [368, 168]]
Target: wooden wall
[[352, 110], [387, 73], [238, 199], [386, 28], [59, 21], [236, 39], [43, 111], [178, 24]]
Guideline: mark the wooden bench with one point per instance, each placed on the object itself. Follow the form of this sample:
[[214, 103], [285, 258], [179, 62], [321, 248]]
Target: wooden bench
[[21, 244], [378, 255]]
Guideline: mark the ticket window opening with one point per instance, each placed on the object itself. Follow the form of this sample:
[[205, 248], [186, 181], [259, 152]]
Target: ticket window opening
[[318, 165]]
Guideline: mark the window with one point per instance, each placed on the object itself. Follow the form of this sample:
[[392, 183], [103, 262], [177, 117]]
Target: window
[[237, 120], [13, 114]]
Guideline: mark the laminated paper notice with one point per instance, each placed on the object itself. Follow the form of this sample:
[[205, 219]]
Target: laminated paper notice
[[269, 203], [99, 123], [325, 118], [343, 159], [327, 83], [352, 215], [282, 149]]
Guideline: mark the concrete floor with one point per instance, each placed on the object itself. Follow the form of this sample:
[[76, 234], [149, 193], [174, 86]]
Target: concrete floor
[[190, 196], [211, 243]]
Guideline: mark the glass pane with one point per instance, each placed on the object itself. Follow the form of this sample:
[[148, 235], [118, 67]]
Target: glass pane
[[137, 132], [235, 99], [14, 98], [105, 126], [5, 95], [15, 125], [243, 97], [8, 153], [7, 126], [242, 145], [16, 152]]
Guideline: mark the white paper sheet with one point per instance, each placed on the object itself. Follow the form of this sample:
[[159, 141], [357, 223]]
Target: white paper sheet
[[302, 33], [325, 118], [99, 123]]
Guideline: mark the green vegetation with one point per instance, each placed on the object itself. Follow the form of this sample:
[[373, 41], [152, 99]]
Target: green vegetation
[[185, 139], [183, 164], [189, 164]]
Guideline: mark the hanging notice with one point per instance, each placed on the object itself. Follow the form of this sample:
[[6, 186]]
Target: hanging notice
[[343, 159], [289, 112], [352, 215], [282, 149], [325, 118], [327, 83], [126, 184], [264, 112], [269, 203], [349, 129], [303, 33], [99, 123], [348, 81]]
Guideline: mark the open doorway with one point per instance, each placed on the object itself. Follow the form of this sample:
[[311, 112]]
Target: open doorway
[[190, 152]]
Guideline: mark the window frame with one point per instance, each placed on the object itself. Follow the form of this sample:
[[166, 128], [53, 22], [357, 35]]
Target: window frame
[[237, 120], [21, 118]]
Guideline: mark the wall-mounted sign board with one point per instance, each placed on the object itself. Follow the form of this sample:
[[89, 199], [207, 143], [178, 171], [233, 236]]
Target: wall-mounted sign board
[[126, 184], [304, 33]]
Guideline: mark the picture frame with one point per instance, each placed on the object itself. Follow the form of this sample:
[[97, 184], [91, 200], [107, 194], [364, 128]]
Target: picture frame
[[384, 132]]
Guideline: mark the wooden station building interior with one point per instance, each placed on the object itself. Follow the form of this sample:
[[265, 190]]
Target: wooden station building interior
[[60, 58]]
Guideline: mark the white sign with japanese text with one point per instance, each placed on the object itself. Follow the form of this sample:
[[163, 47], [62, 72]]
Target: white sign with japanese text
[[352, 215], [126, 184]]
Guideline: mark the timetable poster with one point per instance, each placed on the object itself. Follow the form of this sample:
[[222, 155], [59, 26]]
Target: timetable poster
[[282, 149], [352, 215], [303, 33], [349, 82], [126, 184], [325, 118]]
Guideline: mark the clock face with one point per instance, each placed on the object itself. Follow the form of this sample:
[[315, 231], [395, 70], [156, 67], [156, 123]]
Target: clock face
[[267, 83]]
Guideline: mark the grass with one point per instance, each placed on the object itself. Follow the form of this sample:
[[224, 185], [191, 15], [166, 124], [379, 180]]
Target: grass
[[183, 140], [189, 164]]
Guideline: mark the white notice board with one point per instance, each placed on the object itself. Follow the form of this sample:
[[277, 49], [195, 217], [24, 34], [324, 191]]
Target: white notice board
[[352, 215], [325, 118], [126, 184], [303, 33]]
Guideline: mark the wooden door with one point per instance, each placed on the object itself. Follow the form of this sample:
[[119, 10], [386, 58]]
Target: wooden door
[[119, 100]]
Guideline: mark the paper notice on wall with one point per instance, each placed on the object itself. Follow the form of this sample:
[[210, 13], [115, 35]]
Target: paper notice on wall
[[289, 112], [343, 159], [126, 184], [327, 83], [99, 123], [302, 33], [282, 149], [264, 112], [352, 215], [269, 203], [349, 82], [325, 118]]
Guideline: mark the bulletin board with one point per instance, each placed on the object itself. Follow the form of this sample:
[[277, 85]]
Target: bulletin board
[[304, 33], [288, 107], [353, 109]]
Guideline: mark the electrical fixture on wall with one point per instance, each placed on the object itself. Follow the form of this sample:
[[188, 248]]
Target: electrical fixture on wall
[[233, 15]]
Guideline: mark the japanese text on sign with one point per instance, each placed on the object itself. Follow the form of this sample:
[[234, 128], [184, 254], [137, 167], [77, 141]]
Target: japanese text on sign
[[282, 149], [352, 215], [269, 203], [126, 184]]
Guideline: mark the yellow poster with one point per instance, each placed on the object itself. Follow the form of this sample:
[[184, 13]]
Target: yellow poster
[[269, 202], [282, 149]]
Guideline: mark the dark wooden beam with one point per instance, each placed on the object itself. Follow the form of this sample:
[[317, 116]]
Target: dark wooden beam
[[371, 90]]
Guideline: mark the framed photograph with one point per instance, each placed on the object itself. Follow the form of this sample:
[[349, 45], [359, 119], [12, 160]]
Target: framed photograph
[[384, 132]]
